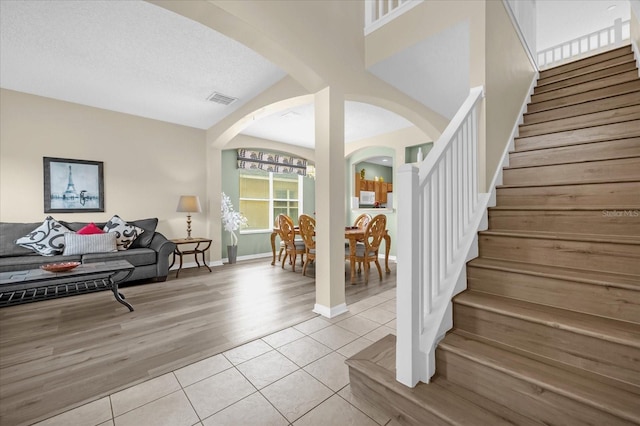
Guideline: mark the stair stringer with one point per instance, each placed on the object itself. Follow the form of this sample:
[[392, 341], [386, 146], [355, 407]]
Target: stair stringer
[[636, 54]]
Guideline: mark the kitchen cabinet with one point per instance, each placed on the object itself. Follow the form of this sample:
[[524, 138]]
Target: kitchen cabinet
[[380, 188]]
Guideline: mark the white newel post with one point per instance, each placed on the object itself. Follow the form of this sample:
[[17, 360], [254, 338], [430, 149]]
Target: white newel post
[[617, 32], [410, 360]]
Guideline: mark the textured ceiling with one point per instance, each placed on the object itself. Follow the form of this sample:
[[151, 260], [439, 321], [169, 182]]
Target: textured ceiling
[[127, 56]]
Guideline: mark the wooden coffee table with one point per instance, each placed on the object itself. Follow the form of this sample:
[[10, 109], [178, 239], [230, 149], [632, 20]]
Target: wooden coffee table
[[31, 285]]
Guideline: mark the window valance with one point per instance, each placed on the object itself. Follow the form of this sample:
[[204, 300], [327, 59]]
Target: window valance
[[271, 162]]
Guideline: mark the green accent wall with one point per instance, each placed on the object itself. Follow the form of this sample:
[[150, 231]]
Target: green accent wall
[[372, 170], [260, 242], [411, 152]]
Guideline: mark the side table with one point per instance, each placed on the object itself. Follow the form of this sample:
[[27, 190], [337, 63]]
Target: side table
[[194, 251]]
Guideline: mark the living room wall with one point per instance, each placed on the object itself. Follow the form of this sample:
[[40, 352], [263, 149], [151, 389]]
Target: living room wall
[[148, 164]]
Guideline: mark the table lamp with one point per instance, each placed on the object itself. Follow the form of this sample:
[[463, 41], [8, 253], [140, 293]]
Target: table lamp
[[189, 204]]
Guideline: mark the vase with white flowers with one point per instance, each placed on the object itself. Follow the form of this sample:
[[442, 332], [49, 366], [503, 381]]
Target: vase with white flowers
[[232, 221]]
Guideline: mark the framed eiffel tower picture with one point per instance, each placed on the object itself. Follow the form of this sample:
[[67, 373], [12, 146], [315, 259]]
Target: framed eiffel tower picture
[[73, 186]]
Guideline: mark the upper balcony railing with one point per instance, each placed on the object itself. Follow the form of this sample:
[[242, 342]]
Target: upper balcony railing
[[379, 12], [586, 45]]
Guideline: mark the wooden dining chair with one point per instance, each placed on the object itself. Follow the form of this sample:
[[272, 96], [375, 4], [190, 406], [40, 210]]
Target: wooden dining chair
[[307, 226], [368, 251], [293, 247], [282, 244], [362, 221]]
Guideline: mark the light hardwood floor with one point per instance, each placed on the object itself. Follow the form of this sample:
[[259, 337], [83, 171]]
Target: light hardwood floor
[[62, 353]]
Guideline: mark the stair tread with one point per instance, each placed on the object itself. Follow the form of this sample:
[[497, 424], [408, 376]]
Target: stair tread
[[566, 208], [620, 239], [596, 160], [588, 107], [598, 133], [444, 401], [621, 332], [581, 121], [612, 149], [609, 279], [512, 416], [585, 182], [585, 86], [597, 394], [632, 86], [623, 64], [585, 62]]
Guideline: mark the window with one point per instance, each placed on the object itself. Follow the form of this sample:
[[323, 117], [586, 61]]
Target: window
[[265, 195]]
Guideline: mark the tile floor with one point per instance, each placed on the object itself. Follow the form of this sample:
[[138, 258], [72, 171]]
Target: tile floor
[[296, 376]]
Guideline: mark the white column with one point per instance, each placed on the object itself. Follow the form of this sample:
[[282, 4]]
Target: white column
[[330, 202]]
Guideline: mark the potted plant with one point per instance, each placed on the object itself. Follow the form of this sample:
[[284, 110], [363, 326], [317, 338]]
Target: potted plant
[[232, 221]]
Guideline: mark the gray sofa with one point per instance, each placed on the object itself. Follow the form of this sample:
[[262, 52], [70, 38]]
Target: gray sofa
[[149, 253]]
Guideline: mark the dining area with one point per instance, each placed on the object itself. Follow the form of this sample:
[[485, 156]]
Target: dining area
[[362, 248]]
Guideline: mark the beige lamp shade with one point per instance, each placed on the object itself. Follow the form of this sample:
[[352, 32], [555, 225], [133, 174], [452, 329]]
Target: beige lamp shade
[[189, 204]]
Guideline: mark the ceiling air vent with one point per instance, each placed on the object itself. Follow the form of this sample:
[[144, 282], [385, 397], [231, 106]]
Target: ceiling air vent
[[219, 98]]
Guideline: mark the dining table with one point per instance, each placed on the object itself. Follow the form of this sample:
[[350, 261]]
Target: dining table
[[351, 233]]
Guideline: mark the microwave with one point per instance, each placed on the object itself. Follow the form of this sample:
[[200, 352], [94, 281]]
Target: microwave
[[367, 198]]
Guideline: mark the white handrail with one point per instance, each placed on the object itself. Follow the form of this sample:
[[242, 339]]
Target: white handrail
[[440, 209], [586, 45]]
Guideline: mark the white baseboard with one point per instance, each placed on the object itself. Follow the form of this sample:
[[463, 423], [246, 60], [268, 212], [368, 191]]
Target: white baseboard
[[221, 262], [328, 312], [187, 265]]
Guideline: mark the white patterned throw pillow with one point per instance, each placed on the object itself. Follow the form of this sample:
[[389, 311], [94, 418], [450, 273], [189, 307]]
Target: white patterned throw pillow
[[125, 233], [47, 239], [85, 244]]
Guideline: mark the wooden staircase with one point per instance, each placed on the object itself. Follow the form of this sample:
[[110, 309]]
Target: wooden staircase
[[548, 330]]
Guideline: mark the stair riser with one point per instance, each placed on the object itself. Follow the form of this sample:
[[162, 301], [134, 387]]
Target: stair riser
[[617, 115], [594, 354], [622, 148], [626, 129], [596, 194], [587, 255], [625, 169], [610, 302], [525, 397], [627, 66], [588, 64], [604, 222], [586, 86], [606, 104], [366, 389], [618, 89]]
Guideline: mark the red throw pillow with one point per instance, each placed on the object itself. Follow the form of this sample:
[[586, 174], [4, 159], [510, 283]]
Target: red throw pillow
[[90, 229]]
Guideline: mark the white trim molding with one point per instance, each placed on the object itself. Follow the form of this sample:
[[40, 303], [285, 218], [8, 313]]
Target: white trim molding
[[328, 312]]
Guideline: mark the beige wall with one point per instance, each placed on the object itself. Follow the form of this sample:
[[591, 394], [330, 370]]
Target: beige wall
[[148, 164], [508, 77]]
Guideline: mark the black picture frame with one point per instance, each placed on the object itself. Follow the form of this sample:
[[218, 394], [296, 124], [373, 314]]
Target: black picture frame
[[73, 186]]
